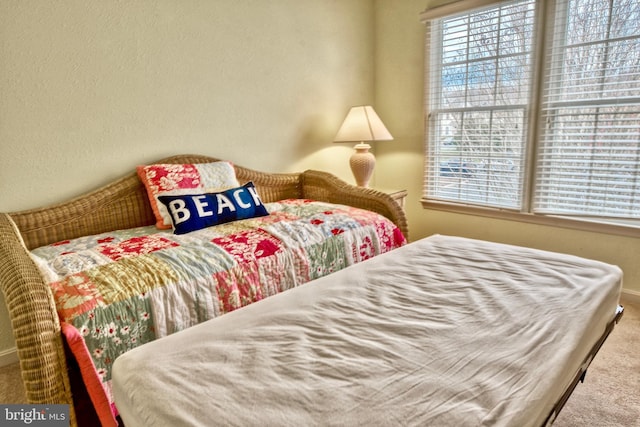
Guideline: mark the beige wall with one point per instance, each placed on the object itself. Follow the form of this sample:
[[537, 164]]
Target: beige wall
[[91, 88], [398, 89]]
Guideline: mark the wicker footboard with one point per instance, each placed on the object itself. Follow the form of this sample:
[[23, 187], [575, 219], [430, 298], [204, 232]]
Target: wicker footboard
[[36, 327]]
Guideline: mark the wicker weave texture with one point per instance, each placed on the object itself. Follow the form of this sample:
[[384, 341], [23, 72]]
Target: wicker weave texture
[[119, 205], [34, 321]]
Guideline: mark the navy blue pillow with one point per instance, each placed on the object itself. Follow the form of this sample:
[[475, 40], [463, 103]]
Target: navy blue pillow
[[190, 212]]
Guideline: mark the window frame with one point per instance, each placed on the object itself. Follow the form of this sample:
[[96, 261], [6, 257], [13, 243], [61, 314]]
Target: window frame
[[541, 62]]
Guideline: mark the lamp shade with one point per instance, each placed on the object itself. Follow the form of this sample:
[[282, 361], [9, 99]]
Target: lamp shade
[[362, 124]]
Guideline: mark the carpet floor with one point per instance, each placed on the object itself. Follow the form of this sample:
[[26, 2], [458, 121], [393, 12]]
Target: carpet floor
[[609, 396]]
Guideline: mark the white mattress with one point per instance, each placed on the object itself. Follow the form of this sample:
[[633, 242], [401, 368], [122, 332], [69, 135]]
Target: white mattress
[[445, 331]]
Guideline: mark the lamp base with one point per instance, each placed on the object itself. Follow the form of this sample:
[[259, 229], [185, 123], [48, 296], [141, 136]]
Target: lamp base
[[362, 163]]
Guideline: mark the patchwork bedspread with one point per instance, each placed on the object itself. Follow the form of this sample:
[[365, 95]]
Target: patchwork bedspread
[[119, 290]]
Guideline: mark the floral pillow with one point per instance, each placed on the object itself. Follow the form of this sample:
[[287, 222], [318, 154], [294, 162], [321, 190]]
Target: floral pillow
[[178, 179]]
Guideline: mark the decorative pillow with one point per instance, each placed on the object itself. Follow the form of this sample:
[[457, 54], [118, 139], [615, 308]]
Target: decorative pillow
[[171, 180], [190, 212]]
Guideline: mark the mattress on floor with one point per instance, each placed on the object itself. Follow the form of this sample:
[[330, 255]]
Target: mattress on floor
[[445, 331]]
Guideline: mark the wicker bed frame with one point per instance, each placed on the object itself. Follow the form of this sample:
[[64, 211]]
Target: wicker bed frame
[[119, 205]]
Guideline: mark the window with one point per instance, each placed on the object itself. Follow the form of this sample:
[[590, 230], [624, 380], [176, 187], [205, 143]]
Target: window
[[536, 116]]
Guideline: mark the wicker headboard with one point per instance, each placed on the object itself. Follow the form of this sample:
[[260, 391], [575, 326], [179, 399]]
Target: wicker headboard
[[124, 204]]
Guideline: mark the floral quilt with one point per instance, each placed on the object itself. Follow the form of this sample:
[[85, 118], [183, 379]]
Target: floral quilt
[[118, 290]]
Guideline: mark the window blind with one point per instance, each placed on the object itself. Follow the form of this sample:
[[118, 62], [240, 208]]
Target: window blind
[[479, 83], [441, 8], [589, 151]]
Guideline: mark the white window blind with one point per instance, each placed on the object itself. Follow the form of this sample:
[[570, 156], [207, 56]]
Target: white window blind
[[480, 68], [578, 152], [589, 151]]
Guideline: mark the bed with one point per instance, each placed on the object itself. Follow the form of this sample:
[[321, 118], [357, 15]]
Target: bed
[[445, 331], [89, 265]]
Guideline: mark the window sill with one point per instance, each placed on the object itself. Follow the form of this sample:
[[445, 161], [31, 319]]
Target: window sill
[[549, 220]]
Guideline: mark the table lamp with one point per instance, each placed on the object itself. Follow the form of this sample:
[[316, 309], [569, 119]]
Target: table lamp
[[362, 125]]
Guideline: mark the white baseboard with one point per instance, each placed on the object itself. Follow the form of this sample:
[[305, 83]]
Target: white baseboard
[[8, 357], [630, 296]]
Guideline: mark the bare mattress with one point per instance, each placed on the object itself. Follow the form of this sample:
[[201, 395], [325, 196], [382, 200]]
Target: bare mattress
[[445, 331]]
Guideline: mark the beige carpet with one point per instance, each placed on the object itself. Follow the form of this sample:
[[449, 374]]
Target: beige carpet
[[11, 389], [610, 394], [609, 397]]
